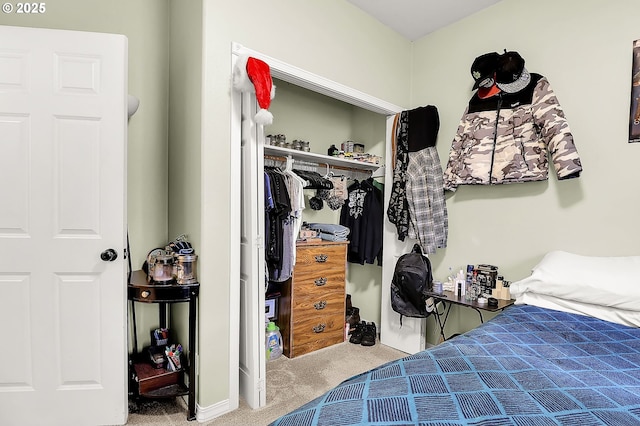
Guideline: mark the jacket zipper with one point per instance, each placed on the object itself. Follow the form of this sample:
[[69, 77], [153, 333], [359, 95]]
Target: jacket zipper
[[495, 137]]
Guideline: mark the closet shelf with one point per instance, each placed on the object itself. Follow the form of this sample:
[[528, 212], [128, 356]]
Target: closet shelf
[[320, 158]]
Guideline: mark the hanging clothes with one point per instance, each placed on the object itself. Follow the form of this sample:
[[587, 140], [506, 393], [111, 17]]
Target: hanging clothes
[[398, 209], [418, 205], [292, 224], [278, 226], [281, 206], [363, 214], [314, 180], [335, 197]]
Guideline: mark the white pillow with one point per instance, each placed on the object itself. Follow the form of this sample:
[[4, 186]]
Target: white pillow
[[604, 281], [620, 316]]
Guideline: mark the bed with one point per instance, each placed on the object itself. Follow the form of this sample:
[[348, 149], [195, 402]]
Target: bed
[[554, 358]]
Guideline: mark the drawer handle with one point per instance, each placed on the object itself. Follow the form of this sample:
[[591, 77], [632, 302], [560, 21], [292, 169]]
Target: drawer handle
[[319, 328], [320, 281], [320, 305], [321, 258]]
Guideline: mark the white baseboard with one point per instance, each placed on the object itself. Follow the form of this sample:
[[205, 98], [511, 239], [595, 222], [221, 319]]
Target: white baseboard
[[205, 414]]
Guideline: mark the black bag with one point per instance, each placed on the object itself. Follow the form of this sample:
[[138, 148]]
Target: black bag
[[411, 283]]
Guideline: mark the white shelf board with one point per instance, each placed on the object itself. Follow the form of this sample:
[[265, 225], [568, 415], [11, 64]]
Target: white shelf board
[[320, 158]]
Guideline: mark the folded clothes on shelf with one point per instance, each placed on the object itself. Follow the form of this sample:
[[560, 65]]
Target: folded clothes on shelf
[[330, 231]]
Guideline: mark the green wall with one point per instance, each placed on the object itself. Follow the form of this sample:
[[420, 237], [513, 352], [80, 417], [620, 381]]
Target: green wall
[[586, 53]]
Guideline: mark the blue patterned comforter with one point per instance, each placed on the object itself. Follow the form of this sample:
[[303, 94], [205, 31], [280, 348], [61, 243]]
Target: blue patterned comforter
[[527, 366]]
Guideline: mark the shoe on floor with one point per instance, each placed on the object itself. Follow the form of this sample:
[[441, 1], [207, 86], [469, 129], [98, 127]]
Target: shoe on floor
[[369, 334], [353, 318], [356, 334]]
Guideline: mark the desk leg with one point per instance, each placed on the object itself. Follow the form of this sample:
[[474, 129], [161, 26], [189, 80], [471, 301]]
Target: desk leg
[[162, 315], [479, 313], [192, 356], [441, 323]]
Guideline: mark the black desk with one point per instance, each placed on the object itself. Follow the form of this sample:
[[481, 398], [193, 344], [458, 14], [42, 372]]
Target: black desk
[[448, 299], [141, 290]]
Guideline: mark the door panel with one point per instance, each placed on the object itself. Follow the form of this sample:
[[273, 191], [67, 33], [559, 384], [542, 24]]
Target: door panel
[[15, 168], [252, 360], [77, 183], [63, 164]]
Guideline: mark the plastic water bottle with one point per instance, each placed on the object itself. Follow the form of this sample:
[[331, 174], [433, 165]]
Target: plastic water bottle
[[273, 341]]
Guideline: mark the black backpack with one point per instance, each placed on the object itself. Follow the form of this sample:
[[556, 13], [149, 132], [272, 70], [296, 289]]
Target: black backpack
[[411, 283]]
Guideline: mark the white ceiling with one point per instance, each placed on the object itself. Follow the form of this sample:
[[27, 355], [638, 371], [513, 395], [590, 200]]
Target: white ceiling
[[416, 18]]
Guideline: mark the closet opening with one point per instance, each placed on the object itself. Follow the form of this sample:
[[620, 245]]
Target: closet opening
[[322, 113]]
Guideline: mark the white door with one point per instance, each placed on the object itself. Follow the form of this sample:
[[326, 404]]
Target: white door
[[62, 167], [252, 360]]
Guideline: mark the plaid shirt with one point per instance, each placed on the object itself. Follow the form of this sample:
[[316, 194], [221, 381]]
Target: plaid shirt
[[427, 205]]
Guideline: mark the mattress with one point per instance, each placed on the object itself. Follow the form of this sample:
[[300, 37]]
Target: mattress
[[527, 366]]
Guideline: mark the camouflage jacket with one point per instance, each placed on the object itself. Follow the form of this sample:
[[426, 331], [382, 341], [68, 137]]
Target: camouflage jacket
[[506, 138]]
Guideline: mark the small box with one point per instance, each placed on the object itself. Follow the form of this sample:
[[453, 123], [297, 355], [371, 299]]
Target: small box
[[486, 276], [270, 308], [347, 146], [307, 233], [156, 356], [160, 337]]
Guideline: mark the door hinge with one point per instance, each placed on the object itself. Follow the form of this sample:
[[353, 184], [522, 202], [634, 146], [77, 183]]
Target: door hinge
[[260, 242]]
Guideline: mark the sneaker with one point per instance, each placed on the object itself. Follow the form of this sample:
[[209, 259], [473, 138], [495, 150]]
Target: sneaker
[[369, 334], [356, 334], [353, 318]]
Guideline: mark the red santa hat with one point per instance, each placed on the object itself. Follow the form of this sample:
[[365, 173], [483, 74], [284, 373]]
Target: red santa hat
[[253, 75]]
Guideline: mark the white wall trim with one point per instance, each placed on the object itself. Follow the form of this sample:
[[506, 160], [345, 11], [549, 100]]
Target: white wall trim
[[316, 83], [235, 203], [205, 414]]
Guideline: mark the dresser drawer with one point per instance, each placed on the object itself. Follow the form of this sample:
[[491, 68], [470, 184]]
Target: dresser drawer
[[317, 332], [313, 283], [317, 305], [320, 257]]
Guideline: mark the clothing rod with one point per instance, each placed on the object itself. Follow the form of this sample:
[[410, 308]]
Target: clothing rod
[[275, 157]]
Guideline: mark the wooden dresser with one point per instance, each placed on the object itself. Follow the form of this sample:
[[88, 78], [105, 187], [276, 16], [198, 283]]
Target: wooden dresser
[[311, 309]]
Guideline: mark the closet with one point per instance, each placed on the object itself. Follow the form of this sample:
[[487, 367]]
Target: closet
[[369, 122], [311, 300]]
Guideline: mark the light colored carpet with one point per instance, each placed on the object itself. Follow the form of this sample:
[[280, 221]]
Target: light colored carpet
[[290, 384]]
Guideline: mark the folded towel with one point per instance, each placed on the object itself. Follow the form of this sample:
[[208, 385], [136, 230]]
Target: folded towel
[[330, 228], [331, 237]]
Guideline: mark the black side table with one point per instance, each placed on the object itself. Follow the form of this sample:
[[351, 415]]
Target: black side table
[[140, 289], [448, 299]]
